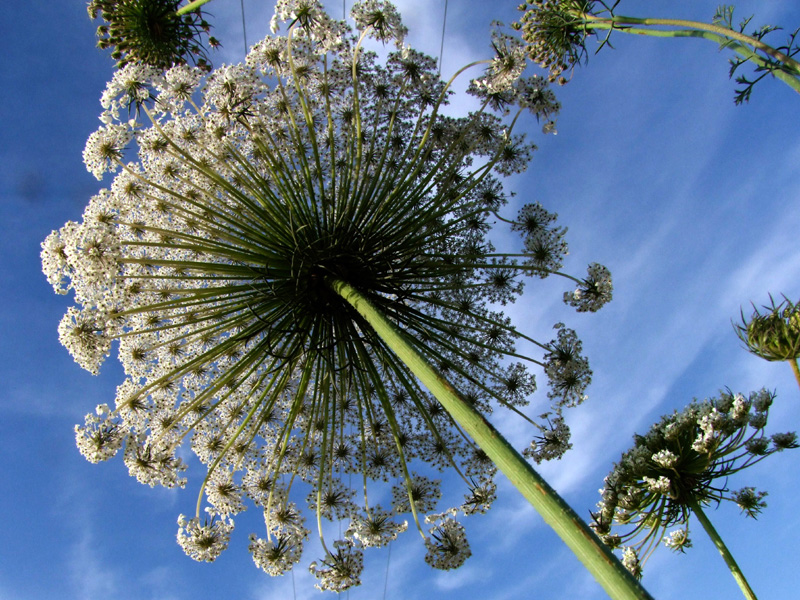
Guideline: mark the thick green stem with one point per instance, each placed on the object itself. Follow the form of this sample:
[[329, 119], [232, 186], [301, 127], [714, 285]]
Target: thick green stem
[[795, 369], [190, 7], [723, 550], [583, 542]]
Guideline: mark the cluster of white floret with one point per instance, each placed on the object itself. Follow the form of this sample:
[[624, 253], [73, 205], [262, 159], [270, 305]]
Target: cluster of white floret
[[682, 463]]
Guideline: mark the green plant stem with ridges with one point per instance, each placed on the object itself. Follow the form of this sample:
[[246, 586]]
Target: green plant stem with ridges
[[723, 550], [596, 557], [190, 7]]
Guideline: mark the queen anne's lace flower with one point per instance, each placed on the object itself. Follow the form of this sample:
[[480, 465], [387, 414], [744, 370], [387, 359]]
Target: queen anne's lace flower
[[447, 545], [83, 334], [593, 292], [341, 569], [278, 554], [480, 497], [101, 437], [55, 263], [630, 559], [678, 540], [568, 371], [204, 542], [665, 459], [375, 528], [750, 500], [148, 32], [773, 332], [381, 19], [555, 34], [552, 443], [681, 464], [214, 258], [104, 149]]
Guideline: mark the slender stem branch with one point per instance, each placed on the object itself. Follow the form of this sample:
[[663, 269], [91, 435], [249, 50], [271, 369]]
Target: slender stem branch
[[583, 542], [792, 80], [795, 369], [190, 7], [723, 550]]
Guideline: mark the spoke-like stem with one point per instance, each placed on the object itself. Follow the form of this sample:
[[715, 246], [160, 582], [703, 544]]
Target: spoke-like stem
[[583, 542], [723, 550], [190, 7]]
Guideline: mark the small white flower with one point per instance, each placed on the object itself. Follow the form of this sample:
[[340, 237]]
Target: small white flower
[[447, 545], [630, 560], [375, 528], [104, 149], [661, 485], [665, 458], [594, 292], [204, 543], [340, 570], [678, 540]]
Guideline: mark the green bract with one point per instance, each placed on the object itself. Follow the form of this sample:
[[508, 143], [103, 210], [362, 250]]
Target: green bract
[[220, 258], [773, 334]]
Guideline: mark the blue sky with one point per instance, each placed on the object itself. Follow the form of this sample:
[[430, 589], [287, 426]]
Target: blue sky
[[690, 201]]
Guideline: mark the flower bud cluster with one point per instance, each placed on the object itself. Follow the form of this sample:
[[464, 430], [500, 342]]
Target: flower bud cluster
[[773, 333], [555, 35], [150, 32]]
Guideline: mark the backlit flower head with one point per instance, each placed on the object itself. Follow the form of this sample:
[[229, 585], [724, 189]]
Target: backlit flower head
[[150, 32], [211, 264], [554, 32], [593, 292], [447, 543], [682, 463]]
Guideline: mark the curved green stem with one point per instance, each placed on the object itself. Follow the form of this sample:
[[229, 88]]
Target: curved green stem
[[793, 81], [723, 550], [795, 369], [595, 556], [190, 7], [732, 34]]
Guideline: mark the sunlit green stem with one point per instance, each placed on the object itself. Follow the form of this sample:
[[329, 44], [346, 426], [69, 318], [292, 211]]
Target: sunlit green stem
[[740, 43], [795, 369], [190, 7], [595, 556], [723, 550]]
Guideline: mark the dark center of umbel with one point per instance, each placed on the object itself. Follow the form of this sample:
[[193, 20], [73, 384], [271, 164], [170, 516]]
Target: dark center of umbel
[[353, 261]]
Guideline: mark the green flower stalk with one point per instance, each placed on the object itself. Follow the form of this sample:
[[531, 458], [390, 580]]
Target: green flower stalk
[[679, 466], [230, 262], [774, 334], [157, 33], [557, 31]]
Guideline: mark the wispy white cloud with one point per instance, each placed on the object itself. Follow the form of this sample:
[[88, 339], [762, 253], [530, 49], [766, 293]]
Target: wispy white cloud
[[91, 577]]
